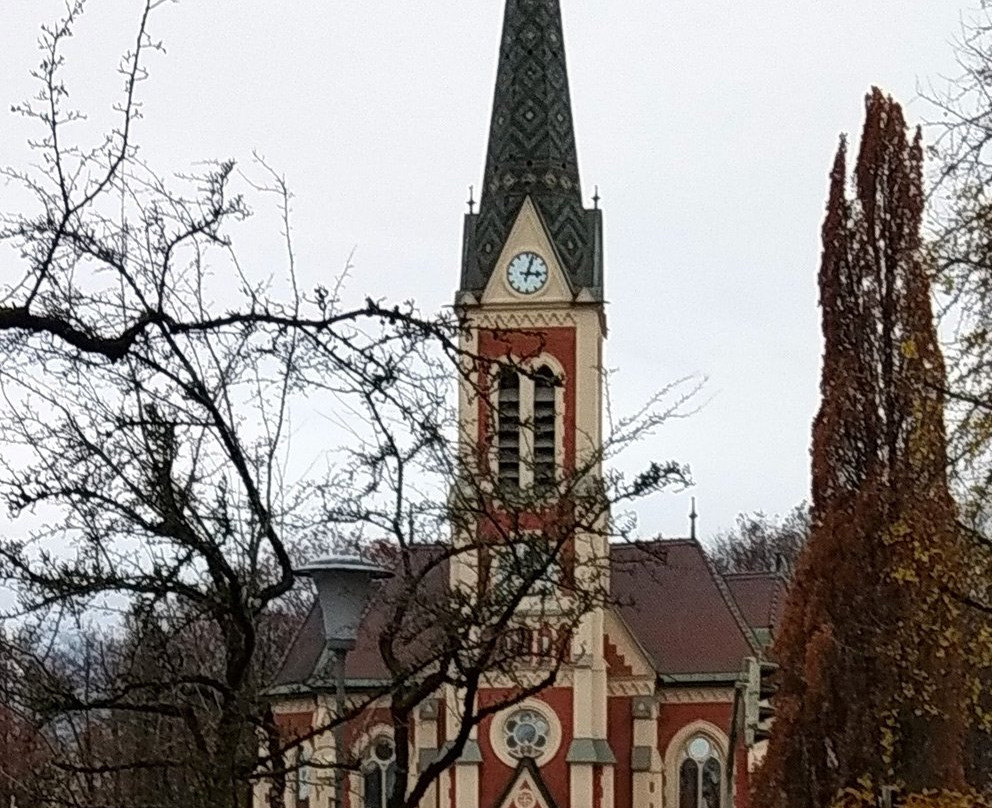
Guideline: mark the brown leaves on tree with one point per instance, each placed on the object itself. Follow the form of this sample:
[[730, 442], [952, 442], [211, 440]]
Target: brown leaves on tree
[[871, 680]]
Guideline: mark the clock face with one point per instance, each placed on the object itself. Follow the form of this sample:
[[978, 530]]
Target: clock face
[[527, 273]]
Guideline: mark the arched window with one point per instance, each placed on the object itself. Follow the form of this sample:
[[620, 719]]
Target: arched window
[[508, 434], [700, 775], [527, 428], [545, 427], [379, 772]]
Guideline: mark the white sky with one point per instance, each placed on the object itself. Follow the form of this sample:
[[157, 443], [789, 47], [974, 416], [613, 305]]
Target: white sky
[[709, 126]]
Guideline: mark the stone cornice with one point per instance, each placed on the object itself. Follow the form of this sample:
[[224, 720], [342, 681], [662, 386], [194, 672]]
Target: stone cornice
[[630, 687], [697, 695]]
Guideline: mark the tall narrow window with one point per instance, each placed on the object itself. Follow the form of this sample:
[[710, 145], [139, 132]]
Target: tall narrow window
[[304, 778], [545, 427], [700, 775], [508, 434], [379, 772]]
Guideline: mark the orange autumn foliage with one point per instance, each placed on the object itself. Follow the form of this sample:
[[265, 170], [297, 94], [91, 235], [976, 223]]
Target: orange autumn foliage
[[872, 674]]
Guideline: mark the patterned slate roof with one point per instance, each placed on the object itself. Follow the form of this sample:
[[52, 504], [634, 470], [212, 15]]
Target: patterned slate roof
[[532, 153]]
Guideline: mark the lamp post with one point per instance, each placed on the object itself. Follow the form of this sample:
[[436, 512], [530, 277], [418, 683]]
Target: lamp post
[[343, 586]]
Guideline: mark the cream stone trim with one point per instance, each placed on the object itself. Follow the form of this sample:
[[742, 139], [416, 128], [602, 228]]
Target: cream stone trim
[[524, 678], [498, 742], [359, 747], [499, 320], [524, 794], [630, 687], [717, 695], [673, 756], [528, 235]]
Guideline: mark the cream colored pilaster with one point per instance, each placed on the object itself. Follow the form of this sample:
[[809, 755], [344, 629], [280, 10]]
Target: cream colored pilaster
[[467, 785], [646, 761], [427, 742], [581, 783], [590, 748], [465, 772], [607, 782], [324, 753], [589, 389]]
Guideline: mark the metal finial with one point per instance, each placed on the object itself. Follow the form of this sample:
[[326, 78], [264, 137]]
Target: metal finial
[[471, 199], [693, 516], [596, 198]]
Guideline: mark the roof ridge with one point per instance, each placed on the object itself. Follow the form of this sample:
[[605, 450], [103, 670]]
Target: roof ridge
[[740, 576], [640, 543], [731, 601]]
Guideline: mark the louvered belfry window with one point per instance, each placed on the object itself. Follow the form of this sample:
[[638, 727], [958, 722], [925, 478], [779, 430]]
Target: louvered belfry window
[[508, 434], [545, 427]]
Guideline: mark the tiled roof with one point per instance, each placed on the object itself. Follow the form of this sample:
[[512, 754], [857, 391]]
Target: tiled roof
[[364, 664], [760, 595], [532, 153], [678, 607]]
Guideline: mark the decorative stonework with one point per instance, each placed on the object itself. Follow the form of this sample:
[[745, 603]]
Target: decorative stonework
[[544, 318], [643, 707], [676, 750], [508, 733], [630, 687], [527, 789], [714, 695]]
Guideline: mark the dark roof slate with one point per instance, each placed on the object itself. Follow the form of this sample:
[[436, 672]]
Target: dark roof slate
[[532, 152]]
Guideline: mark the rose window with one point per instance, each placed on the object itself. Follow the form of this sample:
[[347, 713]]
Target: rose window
[[526, 734]]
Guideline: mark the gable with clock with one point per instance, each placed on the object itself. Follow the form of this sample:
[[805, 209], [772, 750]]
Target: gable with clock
[[528, 271]]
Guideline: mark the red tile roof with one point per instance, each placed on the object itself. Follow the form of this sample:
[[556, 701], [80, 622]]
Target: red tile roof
[[364, 663], [672, 599], [761, 596], [680, 609]]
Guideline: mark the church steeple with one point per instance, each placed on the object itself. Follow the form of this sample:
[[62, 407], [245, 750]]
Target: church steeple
[[532, 153]]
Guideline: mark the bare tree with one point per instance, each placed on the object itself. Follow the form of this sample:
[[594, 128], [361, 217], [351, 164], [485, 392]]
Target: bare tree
[[759, 543], [147, 401], [962, 226]]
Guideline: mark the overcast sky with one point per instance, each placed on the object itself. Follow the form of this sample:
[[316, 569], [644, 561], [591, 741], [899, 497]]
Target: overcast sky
[[709, 127]]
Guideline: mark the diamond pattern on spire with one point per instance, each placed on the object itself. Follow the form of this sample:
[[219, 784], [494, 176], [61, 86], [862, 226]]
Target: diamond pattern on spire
[[532, 151]]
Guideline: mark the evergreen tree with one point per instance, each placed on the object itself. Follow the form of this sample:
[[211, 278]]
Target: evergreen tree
[[871, 681]]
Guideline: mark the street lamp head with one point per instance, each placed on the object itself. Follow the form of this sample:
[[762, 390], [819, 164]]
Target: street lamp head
[[343, 586]]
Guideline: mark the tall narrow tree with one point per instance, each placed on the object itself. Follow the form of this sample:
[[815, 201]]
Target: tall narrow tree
[[870, 689]]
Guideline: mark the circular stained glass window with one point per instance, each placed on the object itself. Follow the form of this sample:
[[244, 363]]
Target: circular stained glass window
[[383, 751], [526, 734], [700, 749]]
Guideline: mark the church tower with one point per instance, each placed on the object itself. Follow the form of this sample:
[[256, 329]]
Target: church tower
[[531, 298], [531, 289]]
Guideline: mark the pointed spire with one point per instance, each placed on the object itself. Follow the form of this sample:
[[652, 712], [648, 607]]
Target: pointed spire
[[532, 150]]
